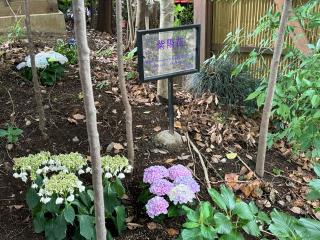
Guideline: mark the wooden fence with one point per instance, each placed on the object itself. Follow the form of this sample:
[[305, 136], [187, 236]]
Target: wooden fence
[[228, 15]]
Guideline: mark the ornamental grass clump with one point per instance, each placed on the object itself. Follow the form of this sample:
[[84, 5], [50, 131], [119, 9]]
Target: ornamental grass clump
[[171, 188]]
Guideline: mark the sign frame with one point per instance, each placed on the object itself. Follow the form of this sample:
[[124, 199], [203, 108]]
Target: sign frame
[[141, 33]]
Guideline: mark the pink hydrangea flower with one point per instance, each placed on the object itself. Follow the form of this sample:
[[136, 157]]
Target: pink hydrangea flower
[[177, 171], [181, 194], [189, 182], [156, 206], [161, 187], [154, 173]]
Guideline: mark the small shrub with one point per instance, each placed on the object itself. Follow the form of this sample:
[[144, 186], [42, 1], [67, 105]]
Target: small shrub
[[50, 67], [216, 77], [68, 49], [61, 201], [16, 31], [314, 185], [12, 134], [183, 15]]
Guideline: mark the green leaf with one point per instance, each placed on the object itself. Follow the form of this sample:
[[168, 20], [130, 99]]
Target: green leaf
[[310, 229], [316, 168], [119, 188], [228, 197], [315, 101], [39, 222], [208, 232], [223, 223], [253, 208], [32, 198], [262, 216], [253, 95], [232, 236], [85, 198], [60, 227], [191, 234], [252, 228], [52, 206], [192, 215], [191, 225], [120, 218], [217, 198], [69, 213], [3, 133], [243, 211], [205, 210], [283, 225], [86, 226]]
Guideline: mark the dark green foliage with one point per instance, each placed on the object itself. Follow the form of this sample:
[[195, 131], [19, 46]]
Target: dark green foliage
[[183, 15], [12, 134], [216, 77], [54, 219], [314, 185], [68, 49]]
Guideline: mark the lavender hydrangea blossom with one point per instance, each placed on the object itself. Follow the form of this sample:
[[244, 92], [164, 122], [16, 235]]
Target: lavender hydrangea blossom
[[161, 187], [154, 173], [181, 194], [177, 171], [156, 206], [189, 182]]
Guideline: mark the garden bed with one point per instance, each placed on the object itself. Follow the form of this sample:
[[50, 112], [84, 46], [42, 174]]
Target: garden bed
[[67, 133]]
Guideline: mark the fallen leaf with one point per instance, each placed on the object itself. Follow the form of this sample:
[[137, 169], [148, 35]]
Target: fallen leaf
[[231, 180], [157, 129], [248, 188], [170, 160], [249, 175], [118, 146], [71, 120], [231, 156], [78, 116], [177, 124], [296, 210], [172, 232], [153, 226], [133, 226]]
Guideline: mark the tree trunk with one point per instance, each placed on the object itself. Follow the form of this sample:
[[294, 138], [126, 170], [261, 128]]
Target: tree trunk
[[130, 23], [104, 21], [140, 15], [35, 81], [91, 118], [262, 148], [166, 20], [122, 84]]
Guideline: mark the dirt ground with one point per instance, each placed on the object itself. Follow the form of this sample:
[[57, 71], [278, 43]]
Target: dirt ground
[[199, 119]]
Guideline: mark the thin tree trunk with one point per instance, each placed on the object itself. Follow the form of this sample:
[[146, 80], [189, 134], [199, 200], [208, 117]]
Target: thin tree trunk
[[104, 20], [35, 81], [166, 20], [130, 22], [91, 118], [262, 148], [140, 15], [124, 94]]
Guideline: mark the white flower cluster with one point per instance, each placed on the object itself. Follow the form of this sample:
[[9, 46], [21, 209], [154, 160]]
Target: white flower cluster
[[43, 59], [22, 175], [115, 166]]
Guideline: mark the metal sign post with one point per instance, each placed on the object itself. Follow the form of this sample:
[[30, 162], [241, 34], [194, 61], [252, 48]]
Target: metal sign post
[[168, 52]]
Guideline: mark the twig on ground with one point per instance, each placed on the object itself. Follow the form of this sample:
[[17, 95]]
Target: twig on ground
[[12, 115], [205, 170], [215, 170], [287, 178], [246, 165]]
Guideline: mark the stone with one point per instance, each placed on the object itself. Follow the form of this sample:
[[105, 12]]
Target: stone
[[168, 140]]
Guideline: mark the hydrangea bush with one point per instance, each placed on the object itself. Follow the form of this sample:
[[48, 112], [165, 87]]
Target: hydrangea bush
[[50, 66], [60, 199], [171, 188]]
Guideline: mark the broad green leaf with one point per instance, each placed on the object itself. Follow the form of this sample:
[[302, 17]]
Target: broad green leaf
[[310, 229], [60, 227], [243, 211], [205, 210], [191, 234], [262, 216], [228, 197], [316, 168], [192, 215], [223, 223], [208, 232], [69, 213], [191, 225], [119, 188], [32, 198], [283, 225], [217, 198], [3, 133], [253, 208], [120, 218], [52, 206], [86, 226], [252, 228], [232, 236], [39, 222]]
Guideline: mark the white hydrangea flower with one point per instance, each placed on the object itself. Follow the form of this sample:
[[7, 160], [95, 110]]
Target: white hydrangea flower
[[128, 169], [82, 188], [59, 200], [21, 65], [88, 169], [45, 169], [70, 198], [45, 200], [80, 172], [108, 175], [34, 186], [121, 176], [39, 171], [23, 176], [16, 175], [41, 192], [51, 162]]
